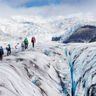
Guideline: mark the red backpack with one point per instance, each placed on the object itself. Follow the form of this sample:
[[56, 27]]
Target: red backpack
[[33, 39]]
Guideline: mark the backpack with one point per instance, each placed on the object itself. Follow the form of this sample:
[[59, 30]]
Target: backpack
[[33, 39], [8, 47]]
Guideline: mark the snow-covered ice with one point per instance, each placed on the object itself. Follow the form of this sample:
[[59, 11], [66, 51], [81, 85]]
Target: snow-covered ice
[[51, 68]]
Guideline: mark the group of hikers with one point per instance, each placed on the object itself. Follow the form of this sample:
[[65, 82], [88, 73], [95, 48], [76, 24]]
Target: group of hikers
[[24, 45]]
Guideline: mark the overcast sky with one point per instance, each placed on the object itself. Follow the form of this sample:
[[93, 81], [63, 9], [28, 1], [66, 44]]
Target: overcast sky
[[46, 7]]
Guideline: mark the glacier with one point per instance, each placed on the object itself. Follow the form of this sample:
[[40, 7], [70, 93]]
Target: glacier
[[51, 68]]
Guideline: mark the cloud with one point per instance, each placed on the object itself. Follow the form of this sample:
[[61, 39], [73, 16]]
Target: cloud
[[84, 7], [45, 11]]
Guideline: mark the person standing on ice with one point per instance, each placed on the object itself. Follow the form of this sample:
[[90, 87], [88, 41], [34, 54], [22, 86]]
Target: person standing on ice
[[22, 46], [16, 46], [1, 53], [26, 43], [8, 48], [33, 40]]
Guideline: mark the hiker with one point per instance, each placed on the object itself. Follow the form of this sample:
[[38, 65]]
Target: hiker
[[16, 46], [26, 43], [33, 40], [22, 46], [1, 53], [8, 48]]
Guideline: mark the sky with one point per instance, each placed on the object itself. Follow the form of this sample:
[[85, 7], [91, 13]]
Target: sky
[[32, 3], [46, 7]]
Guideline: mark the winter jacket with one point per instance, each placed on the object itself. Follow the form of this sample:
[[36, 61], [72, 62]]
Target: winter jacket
[[26, 41]]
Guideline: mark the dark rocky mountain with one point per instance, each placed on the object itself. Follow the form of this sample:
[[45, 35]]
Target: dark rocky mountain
[[86, 33]]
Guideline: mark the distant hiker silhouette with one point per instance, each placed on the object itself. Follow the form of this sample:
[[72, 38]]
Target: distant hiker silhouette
[[26, 43], [33, 40], [8, 48], [1, 53]]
